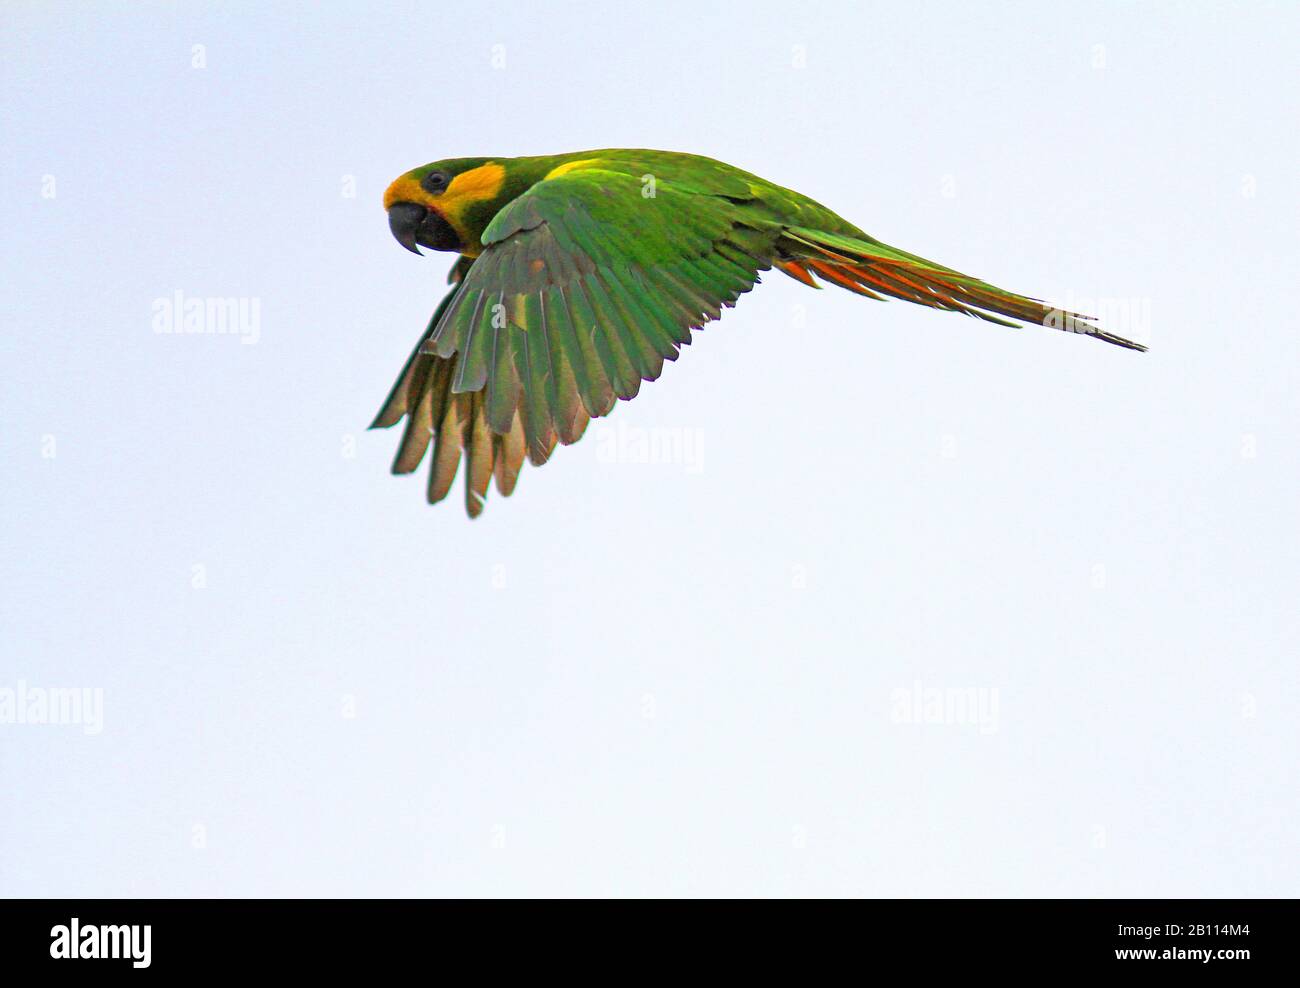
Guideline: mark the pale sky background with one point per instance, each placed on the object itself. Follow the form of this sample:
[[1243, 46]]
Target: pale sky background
[[656, 678]]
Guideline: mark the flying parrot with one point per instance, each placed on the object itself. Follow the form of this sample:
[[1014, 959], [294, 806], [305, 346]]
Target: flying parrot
[[580, 274]]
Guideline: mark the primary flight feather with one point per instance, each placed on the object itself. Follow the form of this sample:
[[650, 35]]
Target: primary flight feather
[[580, 274]]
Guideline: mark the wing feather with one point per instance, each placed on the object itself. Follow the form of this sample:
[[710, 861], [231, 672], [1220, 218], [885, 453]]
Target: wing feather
[[584, 288]]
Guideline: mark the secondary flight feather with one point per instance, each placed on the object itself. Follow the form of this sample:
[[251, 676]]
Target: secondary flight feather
[[580, 274]]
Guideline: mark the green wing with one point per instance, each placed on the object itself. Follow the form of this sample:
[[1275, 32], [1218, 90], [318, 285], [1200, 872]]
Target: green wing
[[589, 282], [453, 423]]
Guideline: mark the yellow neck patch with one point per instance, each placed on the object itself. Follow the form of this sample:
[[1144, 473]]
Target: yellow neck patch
[[475, 185]]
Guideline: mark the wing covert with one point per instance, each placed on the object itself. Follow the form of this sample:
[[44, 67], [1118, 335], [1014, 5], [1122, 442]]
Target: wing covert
[[588, 282]]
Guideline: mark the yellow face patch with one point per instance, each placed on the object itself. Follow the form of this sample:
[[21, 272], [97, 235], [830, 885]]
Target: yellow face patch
[[405, 189], [475, 185]]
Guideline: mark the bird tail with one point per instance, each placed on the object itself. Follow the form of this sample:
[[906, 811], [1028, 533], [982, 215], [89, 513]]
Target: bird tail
[[871, 268]]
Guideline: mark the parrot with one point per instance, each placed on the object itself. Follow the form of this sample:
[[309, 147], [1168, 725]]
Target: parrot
[[579, 274]]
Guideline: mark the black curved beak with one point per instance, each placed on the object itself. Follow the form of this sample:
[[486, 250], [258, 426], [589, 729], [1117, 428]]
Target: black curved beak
[[405, 220]]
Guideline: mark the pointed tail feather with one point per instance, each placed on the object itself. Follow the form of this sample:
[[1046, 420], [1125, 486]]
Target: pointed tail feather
[[874, 269]]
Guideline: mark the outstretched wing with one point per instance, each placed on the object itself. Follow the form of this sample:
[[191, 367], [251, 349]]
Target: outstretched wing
[[453, 423], [588, 282]]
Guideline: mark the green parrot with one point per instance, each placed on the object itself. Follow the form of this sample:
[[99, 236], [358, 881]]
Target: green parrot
[[580, 274]]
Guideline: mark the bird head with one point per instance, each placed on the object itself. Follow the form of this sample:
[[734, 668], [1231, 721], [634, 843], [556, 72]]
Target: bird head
[[448, 204]]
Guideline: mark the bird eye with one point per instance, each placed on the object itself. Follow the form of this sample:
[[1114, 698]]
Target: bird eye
[[434, 181]]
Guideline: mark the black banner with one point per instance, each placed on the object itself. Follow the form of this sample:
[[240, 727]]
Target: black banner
[[147, 938]]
